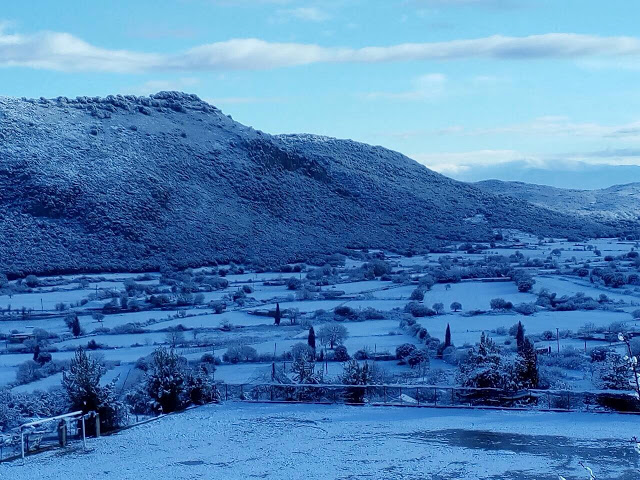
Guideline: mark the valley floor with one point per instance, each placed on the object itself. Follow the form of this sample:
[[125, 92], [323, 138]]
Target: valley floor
[[242, 441]]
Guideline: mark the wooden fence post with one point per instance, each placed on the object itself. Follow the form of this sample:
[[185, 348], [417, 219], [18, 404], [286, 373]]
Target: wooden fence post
[[84, 434]]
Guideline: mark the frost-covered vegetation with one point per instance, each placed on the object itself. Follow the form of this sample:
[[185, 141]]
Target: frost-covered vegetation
[[128, 183], [515, 313]]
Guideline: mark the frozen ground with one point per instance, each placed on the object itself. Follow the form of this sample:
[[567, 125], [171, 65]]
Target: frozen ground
[[127, 345], [242, 441]]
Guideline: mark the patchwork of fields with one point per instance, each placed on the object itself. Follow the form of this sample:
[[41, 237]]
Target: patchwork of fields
[[121, 336]]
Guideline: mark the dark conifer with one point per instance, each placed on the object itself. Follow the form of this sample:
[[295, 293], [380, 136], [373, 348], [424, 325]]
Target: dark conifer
[[76, 329], [278, 316], [520, 336], [312, 338], [527, 365]]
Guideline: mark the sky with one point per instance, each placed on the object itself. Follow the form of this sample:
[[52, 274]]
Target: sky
[[545, 91]]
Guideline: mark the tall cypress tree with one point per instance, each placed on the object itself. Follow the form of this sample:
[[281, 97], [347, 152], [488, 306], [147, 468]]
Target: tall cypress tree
[[311, 339], [520, 336], [527, 365], [278, 314], [76, 329], [447, 337]]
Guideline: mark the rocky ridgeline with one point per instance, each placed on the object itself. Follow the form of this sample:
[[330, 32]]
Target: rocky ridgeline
[[160, 102]]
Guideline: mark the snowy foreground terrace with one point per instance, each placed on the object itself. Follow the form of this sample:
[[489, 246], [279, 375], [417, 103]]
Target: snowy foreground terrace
[[243, 441]]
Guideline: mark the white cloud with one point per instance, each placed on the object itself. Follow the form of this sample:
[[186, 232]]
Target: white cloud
[[597, 64], [456, 162], [311, 14], [558, 126], [62, 51], [426, 87], [452, 163], [65, 52], [548, 126]]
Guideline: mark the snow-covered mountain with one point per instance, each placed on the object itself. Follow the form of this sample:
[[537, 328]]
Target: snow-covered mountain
[[617, 203], [140, 182]]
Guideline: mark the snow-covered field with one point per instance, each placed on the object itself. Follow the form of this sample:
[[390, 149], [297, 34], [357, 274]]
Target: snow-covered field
[[136, 334], [240, 441]]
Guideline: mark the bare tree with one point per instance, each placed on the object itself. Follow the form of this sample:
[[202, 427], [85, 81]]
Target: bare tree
[[332, 334], [175, 338]]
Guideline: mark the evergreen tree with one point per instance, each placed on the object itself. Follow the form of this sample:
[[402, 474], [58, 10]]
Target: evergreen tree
[[613, 373], [82, 384], [76, 329], [526, 368], [199, 387], [356, 374], [311, 339], [632, 361], [303, 368], [447, 337], [166, 381], [304, 372], [520, 336], [278, 316], [482, 367]]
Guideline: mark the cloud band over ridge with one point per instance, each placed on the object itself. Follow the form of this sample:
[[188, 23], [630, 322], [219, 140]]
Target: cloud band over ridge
[[66, 52]]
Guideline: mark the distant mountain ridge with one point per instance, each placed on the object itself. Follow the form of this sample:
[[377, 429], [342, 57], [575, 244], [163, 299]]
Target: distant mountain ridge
[[138, 183], [616, 203], [573, 175]]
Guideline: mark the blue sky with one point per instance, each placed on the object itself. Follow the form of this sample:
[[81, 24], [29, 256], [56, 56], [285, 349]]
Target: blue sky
[[543, 90]]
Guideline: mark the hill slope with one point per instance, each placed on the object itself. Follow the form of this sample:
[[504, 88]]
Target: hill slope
[[617, 203], [141, 182]]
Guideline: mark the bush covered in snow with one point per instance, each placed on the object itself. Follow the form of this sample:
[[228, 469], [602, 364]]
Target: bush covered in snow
[[418, 310], [82, 385], [17, 408], [240, 353], [500, 304]]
